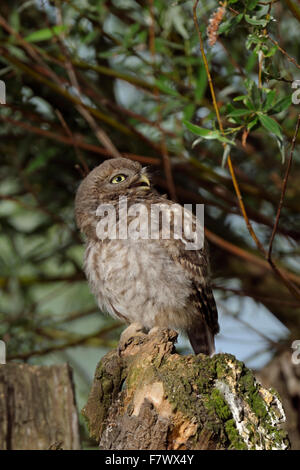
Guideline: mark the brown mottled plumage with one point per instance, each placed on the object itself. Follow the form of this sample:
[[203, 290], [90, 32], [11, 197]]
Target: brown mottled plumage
[[155, 282]]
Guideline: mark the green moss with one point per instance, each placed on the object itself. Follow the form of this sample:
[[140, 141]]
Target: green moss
[[222, 367], [236, 442], [217, 403], [134, 376], [247, 383], [190, 388], [258, 405], [106, 387], [249, 387], [280, 436]]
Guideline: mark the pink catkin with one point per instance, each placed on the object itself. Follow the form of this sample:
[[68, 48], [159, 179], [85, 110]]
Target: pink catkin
[[214, 23]]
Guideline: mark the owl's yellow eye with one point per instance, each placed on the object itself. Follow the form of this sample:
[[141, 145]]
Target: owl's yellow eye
[[118, 179]]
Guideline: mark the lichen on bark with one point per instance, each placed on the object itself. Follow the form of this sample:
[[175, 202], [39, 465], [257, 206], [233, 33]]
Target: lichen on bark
[[146, 396]]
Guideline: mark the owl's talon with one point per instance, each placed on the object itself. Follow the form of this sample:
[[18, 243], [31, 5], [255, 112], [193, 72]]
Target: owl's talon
[[154, 330], [133, 330]]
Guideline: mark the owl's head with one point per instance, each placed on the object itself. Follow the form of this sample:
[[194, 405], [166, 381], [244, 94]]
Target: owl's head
[[106, 183]]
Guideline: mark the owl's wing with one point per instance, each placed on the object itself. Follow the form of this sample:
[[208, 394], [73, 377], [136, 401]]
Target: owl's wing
[[195, 262], [196, 265]]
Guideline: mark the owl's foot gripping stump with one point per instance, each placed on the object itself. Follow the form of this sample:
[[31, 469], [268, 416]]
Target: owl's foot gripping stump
[[146, 396]]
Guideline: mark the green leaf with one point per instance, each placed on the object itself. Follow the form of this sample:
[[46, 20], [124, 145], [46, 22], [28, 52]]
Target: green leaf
[[282, 104], [238, 18], [270, 124], [256, 96], [227, 108], [166, 88], [269, 100], [240, 98], [252, 123], [252, 39], [90, 37], [38, 162], [44, 34], [239, 112], [269, 52], [179, 20], [255, 22], [110, 53], [207, 133], [251, 62], [201, 83], [201, 131], [227, 25], [14, 19], [251, 4], [225, 140], [224, 27], [17, 52], [249, 104], [188, 111]]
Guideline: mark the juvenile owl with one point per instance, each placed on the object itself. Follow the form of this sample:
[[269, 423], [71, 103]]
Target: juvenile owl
[[151, 280]]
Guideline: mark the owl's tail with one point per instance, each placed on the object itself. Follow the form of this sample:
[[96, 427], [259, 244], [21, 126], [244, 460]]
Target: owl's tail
[[202, 339]]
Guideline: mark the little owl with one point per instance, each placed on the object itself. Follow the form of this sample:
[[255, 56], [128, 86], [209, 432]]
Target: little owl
[[153, 281]]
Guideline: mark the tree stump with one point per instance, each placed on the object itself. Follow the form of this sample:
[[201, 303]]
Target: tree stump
[[37, 408], [282, 374], [146, 396]]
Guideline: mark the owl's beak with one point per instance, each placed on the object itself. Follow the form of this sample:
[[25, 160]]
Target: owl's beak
[[142, 182]]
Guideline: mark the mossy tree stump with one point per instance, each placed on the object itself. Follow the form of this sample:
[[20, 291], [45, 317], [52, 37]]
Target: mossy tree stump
[[146, 396]]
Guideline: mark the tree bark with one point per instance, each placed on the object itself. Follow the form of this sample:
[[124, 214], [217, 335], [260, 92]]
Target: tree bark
[[146, 396], [282, 374], [37, 408]]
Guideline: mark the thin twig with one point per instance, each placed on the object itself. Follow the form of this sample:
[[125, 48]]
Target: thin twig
[[259, 297], [289, 58], [74, 142], [86, 339], [80, 142], [250, 327], [246, 255], [284, 185], [293, 8]]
